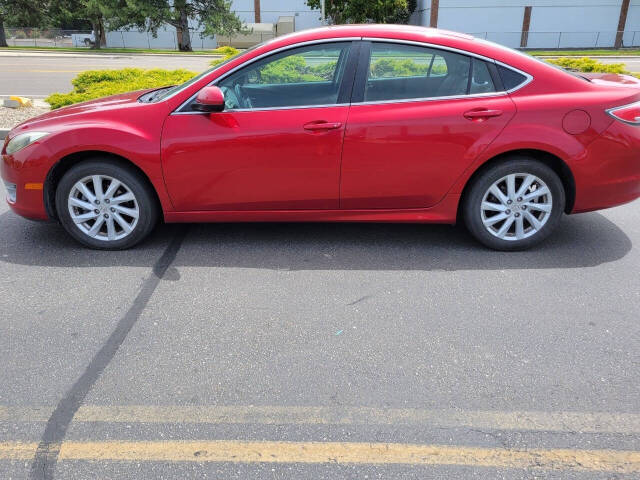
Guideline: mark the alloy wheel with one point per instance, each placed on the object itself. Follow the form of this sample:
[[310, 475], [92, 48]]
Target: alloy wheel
[[516, 206], [103, 208]]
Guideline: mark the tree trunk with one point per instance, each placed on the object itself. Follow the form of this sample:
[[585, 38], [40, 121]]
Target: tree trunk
[[3, 36], [182, 25], [95, 25], [103, 34]]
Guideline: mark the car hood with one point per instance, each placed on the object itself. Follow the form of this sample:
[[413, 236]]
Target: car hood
[[612, 79], [98, 105]]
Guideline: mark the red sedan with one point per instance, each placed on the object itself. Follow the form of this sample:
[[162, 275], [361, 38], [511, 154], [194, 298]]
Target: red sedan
[[354, 123]]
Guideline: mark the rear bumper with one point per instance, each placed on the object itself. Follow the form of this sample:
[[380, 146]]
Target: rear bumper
[[609, 173]]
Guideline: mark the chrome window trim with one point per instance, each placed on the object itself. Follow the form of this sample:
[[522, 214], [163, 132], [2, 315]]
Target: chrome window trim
[[255, 59], [431, 99], [265, 109], [529, 77]]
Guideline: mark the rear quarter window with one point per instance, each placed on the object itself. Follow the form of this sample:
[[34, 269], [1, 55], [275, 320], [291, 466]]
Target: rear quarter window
[[510, 78]]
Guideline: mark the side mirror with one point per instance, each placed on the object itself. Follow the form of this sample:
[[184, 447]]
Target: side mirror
[[210, 99]]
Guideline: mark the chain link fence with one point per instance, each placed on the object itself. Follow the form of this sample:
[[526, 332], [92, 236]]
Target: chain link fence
[[561, 40], [164, 40], [167, 39]]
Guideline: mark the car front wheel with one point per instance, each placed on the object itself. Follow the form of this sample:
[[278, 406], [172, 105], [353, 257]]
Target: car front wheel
[[105, 205], [514, 205]]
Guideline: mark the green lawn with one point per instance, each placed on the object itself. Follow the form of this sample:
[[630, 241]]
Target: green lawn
[[112, 50], [584, 53]]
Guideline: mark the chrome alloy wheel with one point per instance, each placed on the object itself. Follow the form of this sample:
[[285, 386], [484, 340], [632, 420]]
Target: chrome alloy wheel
[[516, 206], [103, 207]]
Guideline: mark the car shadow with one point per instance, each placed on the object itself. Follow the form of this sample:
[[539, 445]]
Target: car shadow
[[580, 241]]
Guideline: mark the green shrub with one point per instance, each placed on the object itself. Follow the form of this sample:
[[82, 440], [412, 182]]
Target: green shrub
[[102, 83], [586, 64], [227, 53]]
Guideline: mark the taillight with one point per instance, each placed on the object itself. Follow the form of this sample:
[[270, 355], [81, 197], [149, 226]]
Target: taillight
[[627, 113]]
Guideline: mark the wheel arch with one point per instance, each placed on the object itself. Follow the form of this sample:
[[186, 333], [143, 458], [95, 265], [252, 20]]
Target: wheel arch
[[554, 162], [63, 165]]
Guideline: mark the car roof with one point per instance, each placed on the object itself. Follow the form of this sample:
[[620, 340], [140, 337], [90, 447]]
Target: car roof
[[393, 31]]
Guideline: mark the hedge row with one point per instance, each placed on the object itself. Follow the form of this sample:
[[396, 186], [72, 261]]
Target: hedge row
[[588, 65]]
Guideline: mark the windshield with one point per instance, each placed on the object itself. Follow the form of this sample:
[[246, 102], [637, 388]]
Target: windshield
[[166, 92]]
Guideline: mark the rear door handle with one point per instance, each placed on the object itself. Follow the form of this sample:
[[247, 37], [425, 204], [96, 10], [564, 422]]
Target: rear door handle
[[481, 114], [321, 125]]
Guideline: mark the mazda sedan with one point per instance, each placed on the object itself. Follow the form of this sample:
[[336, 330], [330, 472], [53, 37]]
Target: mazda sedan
[[352, 124]]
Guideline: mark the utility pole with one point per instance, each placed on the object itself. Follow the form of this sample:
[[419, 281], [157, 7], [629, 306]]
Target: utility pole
[[256, 10], [322, 12], [622, 21]]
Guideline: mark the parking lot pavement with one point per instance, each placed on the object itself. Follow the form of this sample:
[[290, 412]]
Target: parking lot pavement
[[38, 75], [321, 351]]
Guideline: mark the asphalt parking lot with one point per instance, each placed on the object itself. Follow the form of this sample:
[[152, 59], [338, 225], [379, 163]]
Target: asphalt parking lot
[[294, 351], [39, 74]]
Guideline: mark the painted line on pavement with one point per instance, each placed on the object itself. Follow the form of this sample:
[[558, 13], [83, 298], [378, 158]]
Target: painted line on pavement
[[578, 422], [44, 462], [336, 452]]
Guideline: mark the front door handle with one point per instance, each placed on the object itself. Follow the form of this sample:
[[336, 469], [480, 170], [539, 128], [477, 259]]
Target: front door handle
[[321, 125], [481, 114]]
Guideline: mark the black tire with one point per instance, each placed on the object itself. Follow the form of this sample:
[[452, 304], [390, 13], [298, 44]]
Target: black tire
[[148, 210], [472, 204]]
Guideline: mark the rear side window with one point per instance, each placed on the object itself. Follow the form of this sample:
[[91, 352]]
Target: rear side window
[[401, 72], [481, 81], [402, 61], [510, 78]]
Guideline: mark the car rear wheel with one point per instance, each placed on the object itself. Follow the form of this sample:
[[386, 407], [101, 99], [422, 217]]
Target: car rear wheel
[[105, 205], [514, 205]]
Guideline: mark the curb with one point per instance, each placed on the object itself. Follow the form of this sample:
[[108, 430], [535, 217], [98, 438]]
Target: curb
[[3, 133]]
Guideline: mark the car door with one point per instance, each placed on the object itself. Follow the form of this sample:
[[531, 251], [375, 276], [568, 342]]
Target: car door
[[419, 118], [276, 146]]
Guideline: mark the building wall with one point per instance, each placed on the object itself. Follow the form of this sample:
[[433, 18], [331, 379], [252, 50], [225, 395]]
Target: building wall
[[270, 10], [554, 23]]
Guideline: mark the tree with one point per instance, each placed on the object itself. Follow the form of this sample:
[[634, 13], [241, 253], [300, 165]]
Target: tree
[[95, 12], [20, 13], [214, 15], [365, 11]]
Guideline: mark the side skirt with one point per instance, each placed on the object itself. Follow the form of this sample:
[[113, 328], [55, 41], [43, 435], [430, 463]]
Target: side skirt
[[444, 212]]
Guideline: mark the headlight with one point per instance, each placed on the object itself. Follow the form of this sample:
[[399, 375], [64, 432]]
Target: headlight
[[23, 140]]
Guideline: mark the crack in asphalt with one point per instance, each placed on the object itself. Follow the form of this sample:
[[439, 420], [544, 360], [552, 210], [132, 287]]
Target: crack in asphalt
[[46, 457]]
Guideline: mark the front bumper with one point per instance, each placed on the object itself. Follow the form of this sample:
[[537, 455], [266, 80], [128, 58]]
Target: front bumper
[[609, 173], [27, 169]]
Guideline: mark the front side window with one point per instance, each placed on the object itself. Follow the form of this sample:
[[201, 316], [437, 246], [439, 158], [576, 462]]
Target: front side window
[[400, 72], [304, 76]]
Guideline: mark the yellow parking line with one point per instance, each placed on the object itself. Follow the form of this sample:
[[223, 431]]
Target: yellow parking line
[[337, 452], [587, 422]]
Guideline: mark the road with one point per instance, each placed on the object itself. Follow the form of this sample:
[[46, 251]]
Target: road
[[38, 75], [293, 351]]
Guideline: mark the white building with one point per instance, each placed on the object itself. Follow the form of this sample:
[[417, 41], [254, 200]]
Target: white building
[[515, 23], [550, 23]]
